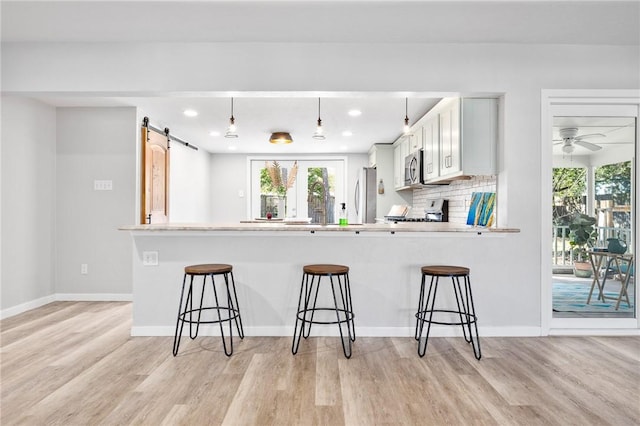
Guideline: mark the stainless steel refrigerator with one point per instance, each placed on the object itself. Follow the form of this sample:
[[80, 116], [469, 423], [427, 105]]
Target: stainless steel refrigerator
[[365, 195]]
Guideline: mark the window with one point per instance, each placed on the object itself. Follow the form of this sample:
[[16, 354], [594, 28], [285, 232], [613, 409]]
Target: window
[[304, 189]]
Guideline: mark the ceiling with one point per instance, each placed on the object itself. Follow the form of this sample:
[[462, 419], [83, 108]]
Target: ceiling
[[619, 134], [256, 117], [305, 21], [328, 21]]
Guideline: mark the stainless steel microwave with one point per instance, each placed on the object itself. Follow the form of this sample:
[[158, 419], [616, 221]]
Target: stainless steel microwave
[[413, 168]]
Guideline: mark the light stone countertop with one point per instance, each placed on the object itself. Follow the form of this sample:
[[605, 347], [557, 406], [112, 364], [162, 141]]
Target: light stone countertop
[[297, 227]]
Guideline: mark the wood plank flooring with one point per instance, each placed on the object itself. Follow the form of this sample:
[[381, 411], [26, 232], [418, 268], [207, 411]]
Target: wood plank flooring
[[74, 363]]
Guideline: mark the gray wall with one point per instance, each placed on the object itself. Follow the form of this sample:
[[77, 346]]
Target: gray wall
[[28, 201], [95, 144]]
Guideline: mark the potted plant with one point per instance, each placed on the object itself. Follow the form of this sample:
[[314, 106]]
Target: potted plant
[[582, 236]]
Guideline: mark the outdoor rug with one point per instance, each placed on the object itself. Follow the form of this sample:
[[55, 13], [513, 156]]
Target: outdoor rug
[[569, 297]]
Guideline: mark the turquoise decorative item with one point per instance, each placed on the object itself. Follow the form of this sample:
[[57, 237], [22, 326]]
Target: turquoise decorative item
[[616, 246]]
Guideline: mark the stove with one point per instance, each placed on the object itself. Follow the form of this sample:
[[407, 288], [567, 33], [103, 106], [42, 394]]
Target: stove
[[437, 210], [410, 219]]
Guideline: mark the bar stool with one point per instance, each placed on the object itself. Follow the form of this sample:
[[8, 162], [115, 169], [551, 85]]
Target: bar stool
[[464, 299], [343, 308], [187, 313]]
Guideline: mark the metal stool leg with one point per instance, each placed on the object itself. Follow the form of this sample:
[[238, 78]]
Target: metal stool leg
[[180, 320], [191, 334], [217, 308], [463, 313], [347, 352], [471, 311], [422, 348], [420, 302], [350, 308], [236, 306], [422, 311], [304, 284], [310, 310]]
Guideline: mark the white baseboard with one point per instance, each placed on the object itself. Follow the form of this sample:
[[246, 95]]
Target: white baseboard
[[332, 331], [94, 297], [65, 297], [594, 332], [27, 306]]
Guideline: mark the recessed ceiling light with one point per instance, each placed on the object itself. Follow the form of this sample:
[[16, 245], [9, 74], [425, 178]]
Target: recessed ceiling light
[[344, 147], [232, 148], [190, 112], [355, 112], [347, 133], [214, 133]]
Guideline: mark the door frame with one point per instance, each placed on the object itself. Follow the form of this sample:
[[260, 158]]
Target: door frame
[[552, 100]]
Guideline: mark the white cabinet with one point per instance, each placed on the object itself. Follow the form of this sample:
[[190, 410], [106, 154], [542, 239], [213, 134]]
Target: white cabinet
[[373, 158], [400, 151], [450, 138], [415, 139], [430, 142], [467, 132]]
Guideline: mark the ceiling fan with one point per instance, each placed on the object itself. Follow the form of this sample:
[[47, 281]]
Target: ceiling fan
[[570, 139]]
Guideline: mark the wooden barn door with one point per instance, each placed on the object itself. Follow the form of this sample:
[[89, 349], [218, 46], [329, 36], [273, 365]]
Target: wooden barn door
[[155, 178]]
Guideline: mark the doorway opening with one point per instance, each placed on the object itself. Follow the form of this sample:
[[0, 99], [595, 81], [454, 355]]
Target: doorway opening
[[591, 213]]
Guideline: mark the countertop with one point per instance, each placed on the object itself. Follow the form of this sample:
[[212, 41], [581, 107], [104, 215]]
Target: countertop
[[297, 227]]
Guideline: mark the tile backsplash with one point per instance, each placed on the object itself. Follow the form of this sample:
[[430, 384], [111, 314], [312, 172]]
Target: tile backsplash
[[458, 193]]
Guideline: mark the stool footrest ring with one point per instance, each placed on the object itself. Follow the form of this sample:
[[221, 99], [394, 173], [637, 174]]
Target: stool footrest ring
[[348, 316], [235, 315], [470, 318]]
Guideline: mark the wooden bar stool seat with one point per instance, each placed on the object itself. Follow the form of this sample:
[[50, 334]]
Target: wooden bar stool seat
[[465, 311], [229, 312], [343, 308]]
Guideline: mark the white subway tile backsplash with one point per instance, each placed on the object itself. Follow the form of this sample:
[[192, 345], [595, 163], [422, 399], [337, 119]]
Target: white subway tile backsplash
[[458, 193]]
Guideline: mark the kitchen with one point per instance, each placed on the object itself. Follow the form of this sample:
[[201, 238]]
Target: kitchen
[[60, 102], [374, 129], [64, 127]]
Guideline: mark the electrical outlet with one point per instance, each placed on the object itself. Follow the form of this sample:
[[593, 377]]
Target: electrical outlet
[[84, 269], [150, 258]]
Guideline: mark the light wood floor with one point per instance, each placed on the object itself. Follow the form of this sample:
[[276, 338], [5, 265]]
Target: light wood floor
[[74, 363]]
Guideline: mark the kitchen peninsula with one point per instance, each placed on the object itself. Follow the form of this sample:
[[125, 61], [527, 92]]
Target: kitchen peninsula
[[267, 259]]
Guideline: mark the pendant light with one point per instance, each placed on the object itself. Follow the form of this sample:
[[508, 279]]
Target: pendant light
[[231, 130], [318, 133], [406, 128]]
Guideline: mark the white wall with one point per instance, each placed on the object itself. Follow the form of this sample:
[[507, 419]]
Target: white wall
[[95, 144], [228, 177], [189, 185], [519, 71], [28, 201]]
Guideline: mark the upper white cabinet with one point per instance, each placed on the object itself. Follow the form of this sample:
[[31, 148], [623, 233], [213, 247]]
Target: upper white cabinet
[[458, 138], [467, 138], [415, 139], [401, 148], [373, 157], [430, 143]]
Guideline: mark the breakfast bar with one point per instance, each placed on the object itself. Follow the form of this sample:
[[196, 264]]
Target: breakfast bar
[[384, 262]]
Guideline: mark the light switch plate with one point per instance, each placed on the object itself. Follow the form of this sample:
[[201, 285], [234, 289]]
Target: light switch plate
[[102, 185]]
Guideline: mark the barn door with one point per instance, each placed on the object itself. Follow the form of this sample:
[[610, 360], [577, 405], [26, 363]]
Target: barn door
[[155, 178]]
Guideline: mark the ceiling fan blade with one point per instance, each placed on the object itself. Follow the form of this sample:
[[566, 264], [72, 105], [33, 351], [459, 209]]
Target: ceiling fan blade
[[590, 135], [588, 145]]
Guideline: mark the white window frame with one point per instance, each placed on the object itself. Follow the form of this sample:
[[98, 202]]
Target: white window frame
[[255, 163]]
